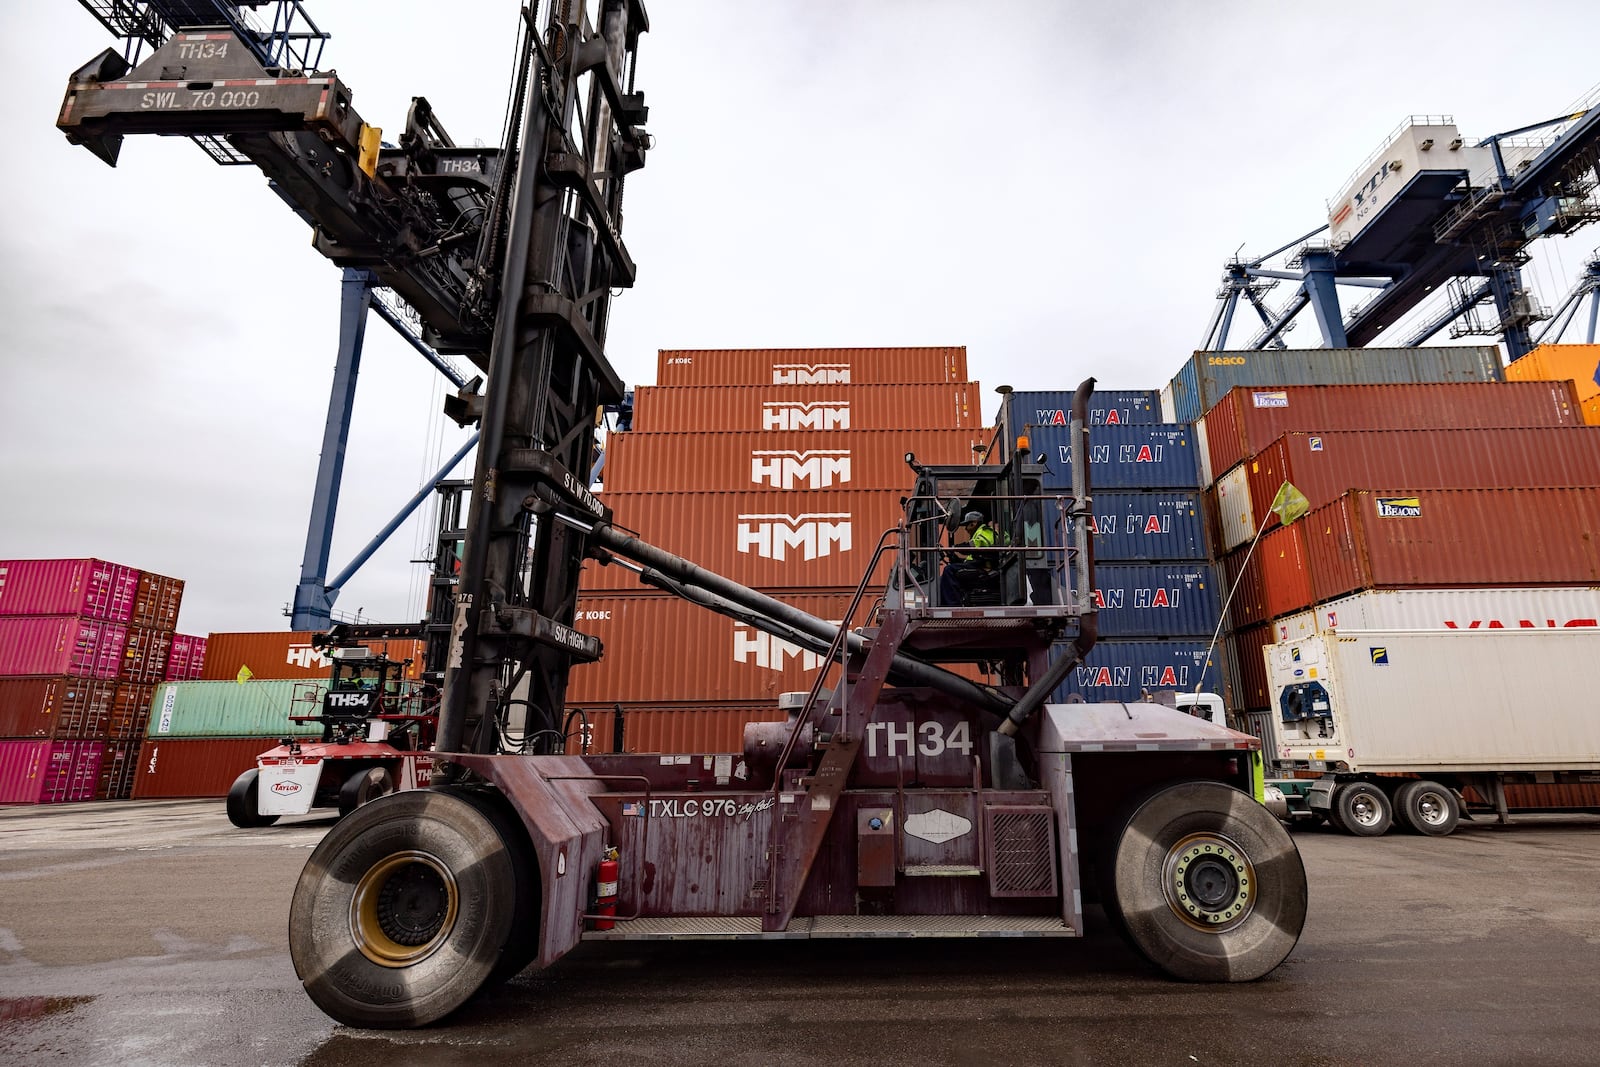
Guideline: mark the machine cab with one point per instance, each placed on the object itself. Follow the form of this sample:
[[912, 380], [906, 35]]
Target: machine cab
[[369, 698]]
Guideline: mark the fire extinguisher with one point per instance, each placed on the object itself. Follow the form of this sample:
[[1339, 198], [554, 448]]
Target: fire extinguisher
[[606, 890]]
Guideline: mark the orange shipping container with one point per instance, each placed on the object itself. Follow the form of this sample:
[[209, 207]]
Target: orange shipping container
[[194, 766], [764, 539], [288, 655], [1591, 410], [674, 408], [809, 366], [865, 459], [1579, 364]]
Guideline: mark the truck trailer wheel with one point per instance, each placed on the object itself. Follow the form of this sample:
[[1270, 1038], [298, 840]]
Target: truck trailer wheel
[[1209, 886], [1428, 808], [363, 787], [402, 911], [244, 808], [1363, 809]]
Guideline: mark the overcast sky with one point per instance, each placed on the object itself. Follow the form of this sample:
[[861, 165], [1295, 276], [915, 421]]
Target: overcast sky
[[1054, 185]]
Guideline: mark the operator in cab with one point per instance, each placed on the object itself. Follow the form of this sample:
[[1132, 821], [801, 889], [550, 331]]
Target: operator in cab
[[965, 568]]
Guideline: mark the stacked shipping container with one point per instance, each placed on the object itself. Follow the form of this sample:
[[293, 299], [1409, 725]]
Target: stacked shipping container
[[780, 469], [82, 644]]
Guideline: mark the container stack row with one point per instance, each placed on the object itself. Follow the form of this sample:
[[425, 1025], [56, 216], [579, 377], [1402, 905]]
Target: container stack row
[[779, 468], [1156, 589], [201, 734], [83, 644], [1438, 496]]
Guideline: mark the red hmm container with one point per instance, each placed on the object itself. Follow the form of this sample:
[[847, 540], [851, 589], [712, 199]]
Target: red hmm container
[[158, 602], [91, 588], [194, 767], [702, 462], [809, 366], [49, 772], [764, 539], [1437, 538], [287, 655], [667, 727], [56, 709], [788, 408], [660, 649], [1323, 465], [1249, 418], [144, 657], [44, 645]]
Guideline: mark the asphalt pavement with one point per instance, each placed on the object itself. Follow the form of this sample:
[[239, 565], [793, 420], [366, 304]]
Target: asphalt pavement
[[155, 933]]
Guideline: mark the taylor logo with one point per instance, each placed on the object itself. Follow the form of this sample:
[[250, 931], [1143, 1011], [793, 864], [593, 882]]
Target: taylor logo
[[1270, 400], [286, 789], [820, 415], [1399, 507], [779, 536], [811, 374], [811, 470]]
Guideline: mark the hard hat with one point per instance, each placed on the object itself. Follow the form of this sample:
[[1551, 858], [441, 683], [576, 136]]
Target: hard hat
[[972, 516]]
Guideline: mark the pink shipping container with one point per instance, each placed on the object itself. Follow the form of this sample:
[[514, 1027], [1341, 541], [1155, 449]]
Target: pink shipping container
[[701, 462], [194, 767], [56, 709], [1249, 418], [91, 588], [682, 409], [809, 366], [1324, 465], [61, 644], [178, 657], [49, 772], [669, 727], [819, 539], [1385, 539]]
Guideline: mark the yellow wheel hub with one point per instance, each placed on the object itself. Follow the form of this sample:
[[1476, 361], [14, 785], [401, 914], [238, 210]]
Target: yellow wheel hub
[[403, 908]]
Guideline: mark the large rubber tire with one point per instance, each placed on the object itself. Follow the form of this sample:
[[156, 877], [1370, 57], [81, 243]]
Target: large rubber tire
[[402, 910], [1364, 809], [522, 943], [1208, 885], [1427, 808], [244, 807], [363, 787]]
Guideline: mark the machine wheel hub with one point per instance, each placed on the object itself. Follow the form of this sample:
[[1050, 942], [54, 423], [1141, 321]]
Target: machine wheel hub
[[1209, 882], [403, 908]]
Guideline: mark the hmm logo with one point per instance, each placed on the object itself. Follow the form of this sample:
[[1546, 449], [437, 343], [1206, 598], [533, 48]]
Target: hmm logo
[[764, 650], [777, 536], [811, 374], [1225, 361], [812, 470], [307, 658], [286, 789], [798, 416], [1399, 507]]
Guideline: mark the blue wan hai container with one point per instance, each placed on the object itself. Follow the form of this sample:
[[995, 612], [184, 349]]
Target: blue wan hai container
[[1157, 599], [1137, 526], [1155, 456], [1124, 670], [1114, 407]]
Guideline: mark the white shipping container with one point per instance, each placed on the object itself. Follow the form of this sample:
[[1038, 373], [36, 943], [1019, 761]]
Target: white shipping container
[[1204, 449], [1235, 515], [1438, 701], [1482, 608], [1169, 404]]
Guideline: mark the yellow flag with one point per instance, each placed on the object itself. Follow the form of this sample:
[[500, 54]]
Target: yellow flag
[[1290, 503], [244, 675]]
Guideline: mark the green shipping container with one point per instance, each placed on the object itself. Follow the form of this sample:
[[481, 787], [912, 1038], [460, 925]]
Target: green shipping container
[[257, 707]]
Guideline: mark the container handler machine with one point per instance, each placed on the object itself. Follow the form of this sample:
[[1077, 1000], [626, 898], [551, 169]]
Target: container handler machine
[[904, 799]]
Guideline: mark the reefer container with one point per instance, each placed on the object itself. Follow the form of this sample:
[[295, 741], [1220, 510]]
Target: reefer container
[[1578, 364], [91, 588], [144, 656], [1111, 407], [158, 601], [662, 649], [1208, 376], [1126, 670], [1324, 465], [809, 366], [1374, 539], [194, 767], [685, 409], [763, 538], [1157, 456], [677, 728], [1248, 419], [48, 772], [1483, 608], [61, 644], [1157, 599], [1438, 702], [55, 709], [816, 459], [288, 655], [230, 709]]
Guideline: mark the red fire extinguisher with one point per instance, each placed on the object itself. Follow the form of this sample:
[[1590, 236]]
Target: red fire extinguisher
[[606, 890]]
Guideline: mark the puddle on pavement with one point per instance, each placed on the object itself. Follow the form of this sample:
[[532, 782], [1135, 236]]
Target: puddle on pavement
[[20, 1009]]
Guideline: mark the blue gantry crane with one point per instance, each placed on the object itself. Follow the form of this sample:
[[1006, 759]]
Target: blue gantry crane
[[408, 222], [1430, 213]]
